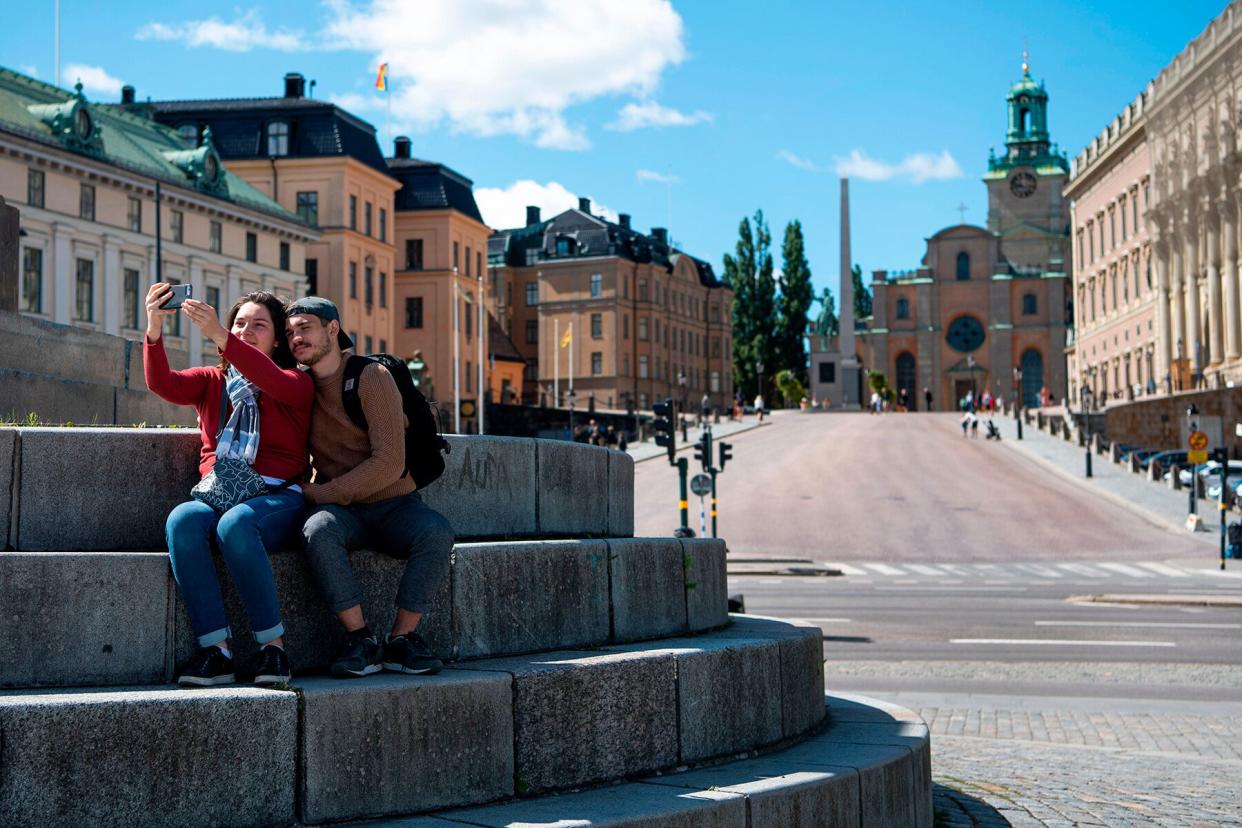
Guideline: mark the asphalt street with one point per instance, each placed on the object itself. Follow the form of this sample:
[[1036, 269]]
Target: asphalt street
[[965, 564]]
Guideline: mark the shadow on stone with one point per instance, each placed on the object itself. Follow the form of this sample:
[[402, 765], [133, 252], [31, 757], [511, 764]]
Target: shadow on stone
[[953, 808]]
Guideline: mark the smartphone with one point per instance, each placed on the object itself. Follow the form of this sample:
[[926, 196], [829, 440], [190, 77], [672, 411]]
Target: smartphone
[[179, 294]]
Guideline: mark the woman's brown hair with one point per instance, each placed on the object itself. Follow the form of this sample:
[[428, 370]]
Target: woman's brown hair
[[282, 356]]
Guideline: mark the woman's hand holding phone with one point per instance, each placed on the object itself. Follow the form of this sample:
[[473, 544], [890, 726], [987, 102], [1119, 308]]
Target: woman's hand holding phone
[[205, 319], [157, 295]]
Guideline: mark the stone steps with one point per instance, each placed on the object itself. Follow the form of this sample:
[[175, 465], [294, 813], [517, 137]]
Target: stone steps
[[113, 618], [481, 731], [870, 767]]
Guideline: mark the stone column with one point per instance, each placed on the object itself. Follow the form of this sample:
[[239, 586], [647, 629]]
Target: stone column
[[113, 287], [234, 289], [1177, 298], [198, 288], [1190, 272], [10, 268], [1232, 317], [1165, 344], [1211, 260], [62, 280]]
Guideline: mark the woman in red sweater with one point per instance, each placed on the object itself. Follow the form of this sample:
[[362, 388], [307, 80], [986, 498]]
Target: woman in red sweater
[[268, 422]]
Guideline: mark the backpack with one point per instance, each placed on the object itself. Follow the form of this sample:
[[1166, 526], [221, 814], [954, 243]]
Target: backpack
[[423, 443]]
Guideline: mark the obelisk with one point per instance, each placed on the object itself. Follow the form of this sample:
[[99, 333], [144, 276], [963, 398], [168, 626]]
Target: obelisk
[[851, 388]]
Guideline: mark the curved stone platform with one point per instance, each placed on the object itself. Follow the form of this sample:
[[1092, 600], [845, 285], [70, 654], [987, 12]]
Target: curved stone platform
[[104, 489], [481, 731]]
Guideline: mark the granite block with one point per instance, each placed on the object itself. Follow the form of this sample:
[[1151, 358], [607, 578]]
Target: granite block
[[573, 489], [489, 487], [621, 806], [647, 584], [802, 666], [707, 589], [528, 596], [133, 476], [402, 744], [585, 717], [152, 757], [887, 775], [620, 494], [84, 619], [8, 494]]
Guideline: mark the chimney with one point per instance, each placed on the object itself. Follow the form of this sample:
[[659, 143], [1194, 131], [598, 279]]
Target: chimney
[[624, 220], [127, 94], [584, 204], [532, 215], [295, 85], [401, 147], [661, 235]]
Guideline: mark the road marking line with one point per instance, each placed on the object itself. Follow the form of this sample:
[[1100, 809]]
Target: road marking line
[[1172, 624], [922, 569], [771, 580], [907, 582], [949, 589], [823, 620], [846, 569], [1128, 571], [1079, 569], [957, 569], [884, 569], [1161, 569], [1058, 642], [1041, 571]]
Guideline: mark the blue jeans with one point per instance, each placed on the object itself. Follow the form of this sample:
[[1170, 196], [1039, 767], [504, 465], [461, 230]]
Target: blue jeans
[[242, 535]]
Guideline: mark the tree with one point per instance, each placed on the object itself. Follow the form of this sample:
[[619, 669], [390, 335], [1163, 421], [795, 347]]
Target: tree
[[795, 302], [827, 323], [862, 296], [791, 388], [754, 303]]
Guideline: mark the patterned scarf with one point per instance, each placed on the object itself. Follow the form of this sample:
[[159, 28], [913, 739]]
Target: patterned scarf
[[239, 439]]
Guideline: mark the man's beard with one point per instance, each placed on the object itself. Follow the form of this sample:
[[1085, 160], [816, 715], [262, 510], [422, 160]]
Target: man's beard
[[316, 354]]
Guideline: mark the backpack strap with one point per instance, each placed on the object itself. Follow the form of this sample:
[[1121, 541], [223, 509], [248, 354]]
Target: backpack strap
[[354, 366]]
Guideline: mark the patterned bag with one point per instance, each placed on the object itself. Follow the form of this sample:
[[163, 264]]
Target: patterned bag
[[229, 483]]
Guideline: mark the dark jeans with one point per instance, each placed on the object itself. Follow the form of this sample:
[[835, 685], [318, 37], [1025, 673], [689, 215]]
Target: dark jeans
[[401, 527]]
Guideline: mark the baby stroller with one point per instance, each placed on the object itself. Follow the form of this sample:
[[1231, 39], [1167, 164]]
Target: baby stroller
[[993, 431]]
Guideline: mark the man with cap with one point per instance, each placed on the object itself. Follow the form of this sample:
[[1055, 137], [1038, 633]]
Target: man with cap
[[363, 496]]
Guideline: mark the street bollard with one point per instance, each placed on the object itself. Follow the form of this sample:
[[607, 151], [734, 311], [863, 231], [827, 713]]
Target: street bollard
[[1153, 471], [1175, 478]]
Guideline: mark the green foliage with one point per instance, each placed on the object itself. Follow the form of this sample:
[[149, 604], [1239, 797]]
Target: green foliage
[[750, 275], [877, 382], [794, 303], [791, 388], [862, 296], [827, 323]]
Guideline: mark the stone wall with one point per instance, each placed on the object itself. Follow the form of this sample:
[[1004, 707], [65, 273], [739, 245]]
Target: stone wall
[[1160, 422]]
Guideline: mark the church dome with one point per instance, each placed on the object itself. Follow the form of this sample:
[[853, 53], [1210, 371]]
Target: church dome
[[1027, 86]]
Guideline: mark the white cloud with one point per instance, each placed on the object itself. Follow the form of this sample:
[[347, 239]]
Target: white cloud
[[917, 167], [93, 78], [243, 34], [658, 178], [511, 67], [29, 69], [504, 208], [797, 161], [634, 116]]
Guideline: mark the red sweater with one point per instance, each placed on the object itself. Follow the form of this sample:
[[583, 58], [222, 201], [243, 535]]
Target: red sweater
[[284, 403]]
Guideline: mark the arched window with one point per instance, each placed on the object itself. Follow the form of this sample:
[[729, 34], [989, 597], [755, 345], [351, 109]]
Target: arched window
[[1032, 365], [1024, 120], [906, 376], [1030, 305], [188, 133], [903, 308], [963, 266], [278, 138]]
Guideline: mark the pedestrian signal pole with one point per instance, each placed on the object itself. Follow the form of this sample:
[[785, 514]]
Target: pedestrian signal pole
[[665, 426], [726, 454]]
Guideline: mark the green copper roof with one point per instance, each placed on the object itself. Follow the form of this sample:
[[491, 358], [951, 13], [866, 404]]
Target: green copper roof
[[1027, 86], [114, 135]]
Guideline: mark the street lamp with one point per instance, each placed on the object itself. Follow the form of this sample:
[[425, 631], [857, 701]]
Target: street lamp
[[681, 384], [1191, 427], [1085, 395]]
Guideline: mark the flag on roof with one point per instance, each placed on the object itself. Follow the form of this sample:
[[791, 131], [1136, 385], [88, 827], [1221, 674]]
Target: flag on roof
[[381, 79], [567, 338]]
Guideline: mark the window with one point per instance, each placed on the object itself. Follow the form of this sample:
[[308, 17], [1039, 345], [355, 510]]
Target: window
[[284, 255], [383, 290], [32, 280], [469, 376], [1112, 227], [368, 287], [133, 298], [597, 285], [414, 311], [134, 216], [468, 311], [642, 290], [456, 251], [625, 326], [467, 260], [86, 202], [353, 212], [366, 218], [213, 298], [597, 363], [903, 308], [1091, 241], [827, 372], [1081, 251], [312, 277], [1122, 211], [383, 222], [642, 400], [188, 133], [532, 294], [564, 246], [532, 332], [1030, 304], [369, 343], [177, 222], [625, 364], [353, 280], [413, 254], [1134, 206], [308, 207], [252, 247], [478, 262], [278, 138], [963, 266], [383, 346], [86, 290], [642, 366], [353, 337], [530, 372], [34, 188], [597, 326], [215, 241]]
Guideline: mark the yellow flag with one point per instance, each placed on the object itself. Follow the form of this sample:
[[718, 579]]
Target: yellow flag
[[569, 335], [381, 79]]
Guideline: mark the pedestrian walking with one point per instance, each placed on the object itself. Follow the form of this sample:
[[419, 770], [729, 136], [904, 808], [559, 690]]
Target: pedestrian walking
[[974, 426], [759, 406], [927, 398], [965, 422]]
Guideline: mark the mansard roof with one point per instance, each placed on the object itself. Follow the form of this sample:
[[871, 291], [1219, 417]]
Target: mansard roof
[[429, 185]]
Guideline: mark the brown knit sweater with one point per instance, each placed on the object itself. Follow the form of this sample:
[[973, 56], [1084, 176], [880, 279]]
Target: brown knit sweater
[[353, 465]]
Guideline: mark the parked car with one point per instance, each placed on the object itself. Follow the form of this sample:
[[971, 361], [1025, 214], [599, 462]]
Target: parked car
[[1124, 449], [1210, 472], [1166, 458]]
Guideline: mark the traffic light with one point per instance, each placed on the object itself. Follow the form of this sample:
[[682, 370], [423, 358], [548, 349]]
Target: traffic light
[[665, 431], [726, 454], [702, 452]]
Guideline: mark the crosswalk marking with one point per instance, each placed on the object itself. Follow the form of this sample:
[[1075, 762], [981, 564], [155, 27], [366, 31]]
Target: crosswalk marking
[[1041, 571], [1078, 569], [845, 569], [1161, 569], [1125, 570], [884, 569], [1066, 573], [924, 570]]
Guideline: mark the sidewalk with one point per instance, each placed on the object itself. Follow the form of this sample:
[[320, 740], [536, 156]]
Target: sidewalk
[[721, 430]]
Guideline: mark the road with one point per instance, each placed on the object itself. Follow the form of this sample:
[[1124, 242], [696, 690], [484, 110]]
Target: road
[[901, 487]]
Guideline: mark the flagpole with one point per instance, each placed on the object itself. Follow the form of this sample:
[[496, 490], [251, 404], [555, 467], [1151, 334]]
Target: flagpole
[[571, 357], [556, 363], [456, 357], [482, 334]]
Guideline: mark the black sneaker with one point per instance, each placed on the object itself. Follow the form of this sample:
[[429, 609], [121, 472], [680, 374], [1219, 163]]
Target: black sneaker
[[271, 666], [410, 654], [359, 657], [208, 667]]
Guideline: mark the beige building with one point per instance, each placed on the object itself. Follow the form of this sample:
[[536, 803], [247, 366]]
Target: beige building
[[84, 177], [621, 317], [1115, 339]]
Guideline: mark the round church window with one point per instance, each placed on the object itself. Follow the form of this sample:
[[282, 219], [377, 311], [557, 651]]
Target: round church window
[[965, 334]]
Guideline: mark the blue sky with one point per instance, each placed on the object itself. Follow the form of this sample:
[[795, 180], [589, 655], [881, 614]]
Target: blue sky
[[686, 114]]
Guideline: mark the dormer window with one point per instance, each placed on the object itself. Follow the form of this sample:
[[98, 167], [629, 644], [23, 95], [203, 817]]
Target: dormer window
[[188, 134], [200, 165], [278, 138], [71, 122], [82, 124], [564, 246]]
